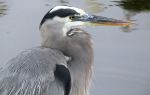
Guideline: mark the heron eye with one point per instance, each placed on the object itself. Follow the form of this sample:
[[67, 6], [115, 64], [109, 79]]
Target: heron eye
[[72, 17]]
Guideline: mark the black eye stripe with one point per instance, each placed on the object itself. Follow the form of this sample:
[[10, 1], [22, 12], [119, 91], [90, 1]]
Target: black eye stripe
[[59, 13], [63, 13]]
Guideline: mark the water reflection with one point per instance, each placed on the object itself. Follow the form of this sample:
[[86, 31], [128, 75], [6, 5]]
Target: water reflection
[[3, 9], [135, 5], [64, 2], [56, 3], [131, 8], [94, 6], [129, 16]]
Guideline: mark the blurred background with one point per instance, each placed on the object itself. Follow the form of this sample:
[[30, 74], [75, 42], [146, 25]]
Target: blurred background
[[122, 54]]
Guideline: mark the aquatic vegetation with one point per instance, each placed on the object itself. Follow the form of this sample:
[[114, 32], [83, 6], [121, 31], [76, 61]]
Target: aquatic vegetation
[[3, 8], [134, 5]]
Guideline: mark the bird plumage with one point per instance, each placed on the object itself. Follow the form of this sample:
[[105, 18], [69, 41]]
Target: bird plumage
[[45, 70], [32, 73]]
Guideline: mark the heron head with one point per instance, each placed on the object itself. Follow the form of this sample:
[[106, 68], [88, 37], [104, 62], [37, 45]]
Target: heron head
[[58, 23], [66, 17]]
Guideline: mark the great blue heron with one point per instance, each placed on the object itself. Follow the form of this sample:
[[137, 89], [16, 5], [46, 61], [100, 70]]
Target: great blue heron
[[62, 65]]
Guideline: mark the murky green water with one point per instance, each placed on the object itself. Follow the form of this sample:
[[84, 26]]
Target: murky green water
[[122, 54]]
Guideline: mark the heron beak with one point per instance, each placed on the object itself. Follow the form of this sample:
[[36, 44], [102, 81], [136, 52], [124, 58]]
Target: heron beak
[[101, 21]]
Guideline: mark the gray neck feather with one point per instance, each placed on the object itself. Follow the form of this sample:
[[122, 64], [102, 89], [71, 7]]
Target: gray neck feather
[[81, 69], [51, 33], [79, 48]]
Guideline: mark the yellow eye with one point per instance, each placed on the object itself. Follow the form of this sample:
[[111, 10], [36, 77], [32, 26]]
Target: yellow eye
[[72, 17]]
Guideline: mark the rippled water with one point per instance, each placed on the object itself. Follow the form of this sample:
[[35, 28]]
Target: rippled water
[[122, 54]]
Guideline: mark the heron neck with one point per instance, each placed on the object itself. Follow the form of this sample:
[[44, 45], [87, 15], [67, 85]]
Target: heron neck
[[81, 70], [51, 33]]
